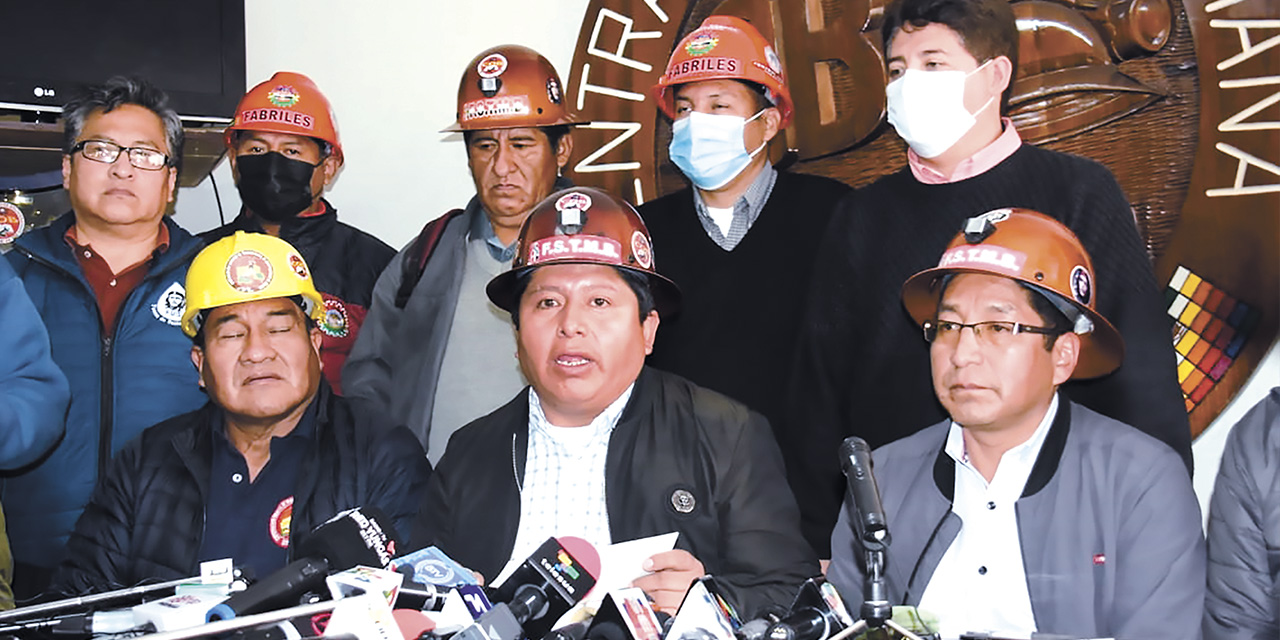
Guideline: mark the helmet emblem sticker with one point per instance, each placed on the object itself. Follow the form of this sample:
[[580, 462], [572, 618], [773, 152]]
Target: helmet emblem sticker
[[771, 57], [298, 265], [11, 222], [248, 271], [280, 523], [1081, 285], [641, 250], [492, 65], [573, 208], [553, 90], [335, 322], [283, 96], [701, 44], [169, 306]]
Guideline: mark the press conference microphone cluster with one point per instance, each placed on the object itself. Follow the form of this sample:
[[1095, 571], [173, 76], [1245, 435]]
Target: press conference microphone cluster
[[354, 537], [551, 581]]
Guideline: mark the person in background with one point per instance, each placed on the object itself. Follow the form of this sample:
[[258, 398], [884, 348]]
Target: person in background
[[740, 228], [285, 151], [107, 279], [435, 350]]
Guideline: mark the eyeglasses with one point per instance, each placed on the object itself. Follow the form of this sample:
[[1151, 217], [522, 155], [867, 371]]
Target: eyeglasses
[[108, 152], [992, 333]]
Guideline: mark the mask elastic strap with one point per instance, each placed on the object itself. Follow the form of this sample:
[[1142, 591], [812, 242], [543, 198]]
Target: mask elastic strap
[[762, 144]]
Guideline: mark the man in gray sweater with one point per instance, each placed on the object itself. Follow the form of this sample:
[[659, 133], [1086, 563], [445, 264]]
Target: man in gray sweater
[[1026, 512]]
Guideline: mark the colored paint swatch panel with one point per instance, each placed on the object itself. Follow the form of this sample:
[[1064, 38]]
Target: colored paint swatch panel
[[1210, 329]]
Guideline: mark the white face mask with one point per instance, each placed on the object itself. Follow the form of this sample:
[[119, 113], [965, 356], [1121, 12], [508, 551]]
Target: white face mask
[[927, 109]]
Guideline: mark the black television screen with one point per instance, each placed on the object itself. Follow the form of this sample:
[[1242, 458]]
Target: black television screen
[[193, 49]]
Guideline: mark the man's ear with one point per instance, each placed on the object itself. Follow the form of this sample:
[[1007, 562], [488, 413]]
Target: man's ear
[[197, 359], [1066, 353], [772, 119], [1001, 75], [330, 167], [66, 172], [564, 149], [650, 329]]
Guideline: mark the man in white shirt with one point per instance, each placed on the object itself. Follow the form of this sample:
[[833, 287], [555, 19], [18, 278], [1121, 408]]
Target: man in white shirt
[[1025, 511], [602, 447]]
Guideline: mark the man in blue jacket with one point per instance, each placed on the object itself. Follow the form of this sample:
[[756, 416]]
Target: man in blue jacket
[[33, 396], [1026, 512], [107, 280]]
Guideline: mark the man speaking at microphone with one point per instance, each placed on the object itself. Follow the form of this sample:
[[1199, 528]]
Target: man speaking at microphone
[[602, 447], [275, 451], [1026, 512]]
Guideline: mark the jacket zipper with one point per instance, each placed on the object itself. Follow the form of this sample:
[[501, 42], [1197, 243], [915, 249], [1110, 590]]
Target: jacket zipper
[[106, 404]]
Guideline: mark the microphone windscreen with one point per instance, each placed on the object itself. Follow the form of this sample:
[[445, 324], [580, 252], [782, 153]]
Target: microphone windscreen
[[584, 552], [412, 623], [360, 536]]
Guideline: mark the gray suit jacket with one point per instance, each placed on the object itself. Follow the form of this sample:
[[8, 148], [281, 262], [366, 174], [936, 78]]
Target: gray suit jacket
[[1109, 526]]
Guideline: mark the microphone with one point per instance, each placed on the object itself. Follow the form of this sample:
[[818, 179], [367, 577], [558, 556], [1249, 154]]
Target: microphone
[[870, 523], [432, 566], [352, 537], [558, 575], [817, 613], [758, 628]]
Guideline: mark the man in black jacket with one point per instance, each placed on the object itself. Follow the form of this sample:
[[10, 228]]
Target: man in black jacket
[[285, 151], [601, 447], [273, 452], [742, 227]]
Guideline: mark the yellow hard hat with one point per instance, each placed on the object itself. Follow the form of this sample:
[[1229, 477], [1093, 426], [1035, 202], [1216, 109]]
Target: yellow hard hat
[[243, 268]]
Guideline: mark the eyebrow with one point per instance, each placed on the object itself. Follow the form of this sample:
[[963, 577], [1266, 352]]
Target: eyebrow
[[1001, 307]]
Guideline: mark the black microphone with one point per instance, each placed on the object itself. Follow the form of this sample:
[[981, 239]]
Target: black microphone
[[353, 537], [817, 613], [870, 522], [539, 591], [626, 614]]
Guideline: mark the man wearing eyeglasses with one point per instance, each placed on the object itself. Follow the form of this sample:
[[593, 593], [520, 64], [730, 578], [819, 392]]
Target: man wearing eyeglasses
[[1026, 512], [107, 280]]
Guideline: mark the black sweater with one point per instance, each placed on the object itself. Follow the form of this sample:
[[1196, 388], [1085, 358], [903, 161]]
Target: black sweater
[[741, 310], [863, 365]]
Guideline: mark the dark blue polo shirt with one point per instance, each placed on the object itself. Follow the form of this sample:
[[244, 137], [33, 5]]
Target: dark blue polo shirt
[[250, 521]]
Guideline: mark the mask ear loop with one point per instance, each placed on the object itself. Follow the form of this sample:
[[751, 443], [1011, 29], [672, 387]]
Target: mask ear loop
[[989, 100], [762, 144]]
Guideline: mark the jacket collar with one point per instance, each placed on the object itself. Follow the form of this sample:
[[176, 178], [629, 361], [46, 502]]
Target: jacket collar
[[298, 231], [48, 245], [1055, 443]]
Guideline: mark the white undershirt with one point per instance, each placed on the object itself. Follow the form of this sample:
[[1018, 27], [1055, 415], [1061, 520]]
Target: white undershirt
[[722, 217], [563, 490], [980, 584]]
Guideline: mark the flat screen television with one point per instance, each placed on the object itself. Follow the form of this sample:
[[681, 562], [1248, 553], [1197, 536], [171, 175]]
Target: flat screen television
[[193, 49]]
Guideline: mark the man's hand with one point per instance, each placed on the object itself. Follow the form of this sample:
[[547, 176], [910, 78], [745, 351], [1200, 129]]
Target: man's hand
[[673, 572]]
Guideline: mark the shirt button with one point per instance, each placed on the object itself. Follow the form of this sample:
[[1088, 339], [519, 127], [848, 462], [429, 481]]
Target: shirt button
[[236, 478], [991, 505], [982, 571], [88, 254], [113, 282]]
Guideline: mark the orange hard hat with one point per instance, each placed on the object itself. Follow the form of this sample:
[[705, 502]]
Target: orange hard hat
[[510, 86], [582, 225], [287, 103], [724, 48], [1036, 250]]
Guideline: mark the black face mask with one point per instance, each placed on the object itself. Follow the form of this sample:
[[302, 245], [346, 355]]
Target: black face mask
[[274, 186]]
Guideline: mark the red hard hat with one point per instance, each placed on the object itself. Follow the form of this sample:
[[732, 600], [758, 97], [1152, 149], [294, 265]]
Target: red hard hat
[[287, 103], [510, 86], [1034, 249], [724, 48], [582, 225]]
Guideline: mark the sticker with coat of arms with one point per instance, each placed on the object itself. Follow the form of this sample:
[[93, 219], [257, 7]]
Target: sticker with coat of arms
[[170, 305], [12, 222], [248, 271], [335, 322]]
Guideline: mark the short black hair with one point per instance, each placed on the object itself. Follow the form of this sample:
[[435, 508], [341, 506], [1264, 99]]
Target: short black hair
[[638, 282], [987, 28], [553, 133], [116, 93]]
